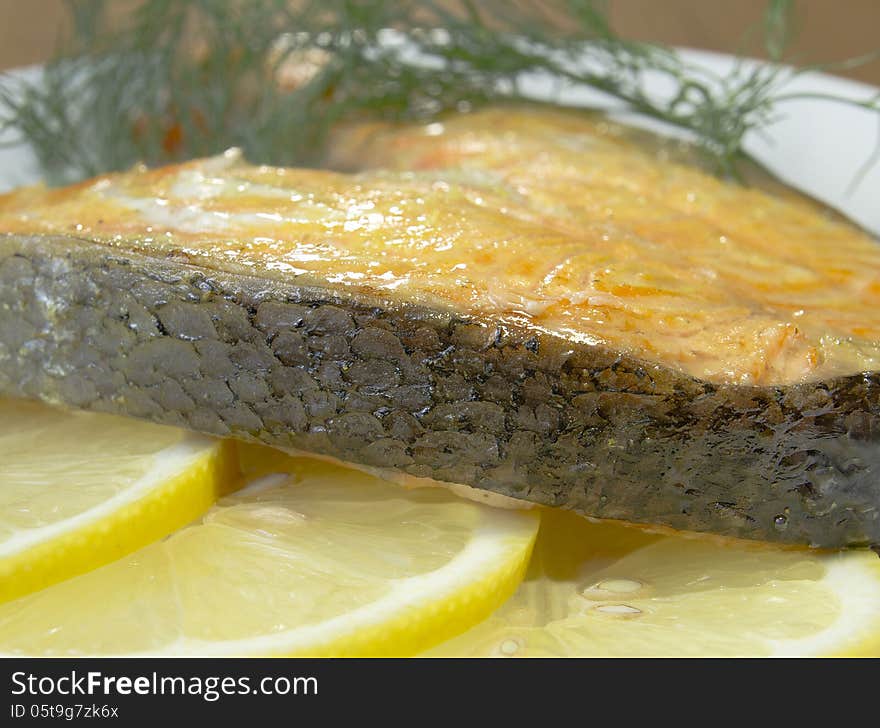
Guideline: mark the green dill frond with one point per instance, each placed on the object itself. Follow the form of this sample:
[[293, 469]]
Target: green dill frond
[[188, 78]]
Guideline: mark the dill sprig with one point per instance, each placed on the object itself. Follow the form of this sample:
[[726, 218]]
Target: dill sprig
[[188, 78]]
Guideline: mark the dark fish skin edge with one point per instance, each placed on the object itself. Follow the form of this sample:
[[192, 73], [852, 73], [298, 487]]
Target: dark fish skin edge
[[435, 395]]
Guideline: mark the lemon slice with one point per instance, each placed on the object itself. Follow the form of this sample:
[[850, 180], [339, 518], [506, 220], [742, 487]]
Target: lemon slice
[[324, 561], [78, 490], [598, 589]]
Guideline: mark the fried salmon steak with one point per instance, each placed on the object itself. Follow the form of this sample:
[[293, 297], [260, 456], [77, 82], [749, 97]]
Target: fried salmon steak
[[536, 303]]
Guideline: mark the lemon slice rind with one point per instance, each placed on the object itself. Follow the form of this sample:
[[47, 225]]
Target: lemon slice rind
[[184, 481], [370, 630], [171, 462]]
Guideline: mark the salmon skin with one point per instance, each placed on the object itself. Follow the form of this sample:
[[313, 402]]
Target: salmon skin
[[533, 303]]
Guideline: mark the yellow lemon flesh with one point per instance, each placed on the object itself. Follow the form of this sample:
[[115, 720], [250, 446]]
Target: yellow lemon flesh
[[78, 490], [324, 560], [598, 589]]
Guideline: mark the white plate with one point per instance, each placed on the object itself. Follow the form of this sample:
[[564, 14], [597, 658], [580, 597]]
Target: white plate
[[816, 145]]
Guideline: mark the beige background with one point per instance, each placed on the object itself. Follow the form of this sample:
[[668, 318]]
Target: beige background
[[829, 29]]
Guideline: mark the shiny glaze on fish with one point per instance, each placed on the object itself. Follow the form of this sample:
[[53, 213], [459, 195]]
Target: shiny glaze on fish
[[548, 220]]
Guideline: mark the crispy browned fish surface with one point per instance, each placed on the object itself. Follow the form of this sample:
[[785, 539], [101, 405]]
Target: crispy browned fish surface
[[525, 301]]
